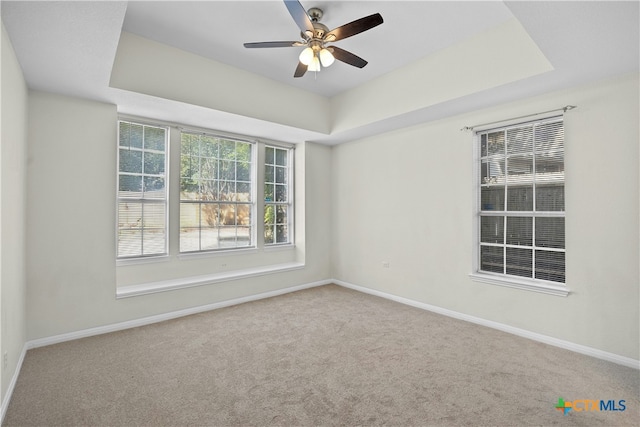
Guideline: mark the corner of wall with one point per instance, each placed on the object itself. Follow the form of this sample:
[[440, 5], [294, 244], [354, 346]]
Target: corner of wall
[[13, 154]]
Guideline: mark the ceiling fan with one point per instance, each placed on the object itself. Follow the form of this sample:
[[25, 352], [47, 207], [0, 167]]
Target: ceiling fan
[[315, 37]]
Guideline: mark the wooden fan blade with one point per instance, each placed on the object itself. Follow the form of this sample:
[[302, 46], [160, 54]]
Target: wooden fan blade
[[272, 44], [300, 70], [347, 57], [299, 14], [354, 27]]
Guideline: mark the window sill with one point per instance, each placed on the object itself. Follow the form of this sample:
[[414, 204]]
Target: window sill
[[209, 279], [527, 285], [280, 247], [218, 252], [142, 260]]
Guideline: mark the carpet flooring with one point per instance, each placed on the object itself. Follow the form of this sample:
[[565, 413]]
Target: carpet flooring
[[322, 356]]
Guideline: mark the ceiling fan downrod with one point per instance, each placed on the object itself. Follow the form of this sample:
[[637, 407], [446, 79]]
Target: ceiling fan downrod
[[315, 14]]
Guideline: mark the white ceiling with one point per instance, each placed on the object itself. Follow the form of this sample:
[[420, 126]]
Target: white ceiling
[[217, 30], [69, 48]]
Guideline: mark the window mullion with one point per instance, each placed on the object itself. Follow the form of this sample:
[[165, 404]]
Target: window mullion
[[259, 172], [504, 241], [506, 203], [535, 205]]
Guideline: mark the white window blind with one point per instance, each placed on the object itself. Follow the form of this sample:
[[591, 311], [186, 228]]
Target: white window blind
[[521, 201], [142, 190]]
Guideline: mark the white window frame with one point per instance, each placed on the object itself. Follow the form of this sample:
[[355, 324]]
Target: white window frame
[[173, 139], [290, 196], [252, 203], [165, 200], [501, 279]]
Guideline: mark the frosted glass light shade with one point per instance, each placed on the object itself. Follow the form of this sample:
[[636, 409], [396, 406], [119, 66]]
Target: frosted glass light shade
[[326, 57], [306, 56], [314, 65]]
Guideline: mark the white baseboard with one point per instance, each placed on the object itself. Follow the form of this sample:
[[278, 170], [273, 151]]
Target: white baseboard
[[41, 342], [12, 385], [567, 345]]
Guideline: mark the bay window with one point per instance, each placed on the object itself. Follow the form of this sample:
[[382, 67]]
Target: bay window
[[216, 184]]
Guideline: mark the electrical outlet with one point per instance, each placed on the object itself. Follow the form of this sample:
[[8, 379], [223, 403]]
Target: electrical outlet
[[385, 264]]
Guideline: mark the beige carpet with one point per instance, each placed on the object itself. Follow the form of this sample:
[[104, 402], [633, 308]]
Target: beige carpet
[[323, 356]]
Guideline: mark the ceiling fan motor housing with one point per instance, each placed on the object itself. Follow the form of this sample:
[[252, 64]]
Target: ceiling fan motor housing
[[319, 30]]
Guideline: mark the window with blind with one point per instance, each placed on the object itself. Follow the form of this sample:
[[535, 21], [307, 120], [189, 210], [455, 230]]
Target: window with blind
[[142, 190], [216, 193], [211, 204], [277, 196], [521, 215]]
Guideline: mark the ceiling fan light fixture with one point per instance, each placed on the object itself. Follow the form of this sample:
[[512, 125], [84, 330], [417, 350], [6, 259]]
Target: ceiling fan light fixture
[[315, 35], [306, 56], [315, 64], [326, 57]]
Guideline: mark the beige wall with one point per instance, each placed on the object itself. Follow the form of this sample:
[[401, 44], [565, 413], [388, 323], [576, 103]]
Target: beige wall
[[71, 261], [145, 66], [13, 123], [406, 198]]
